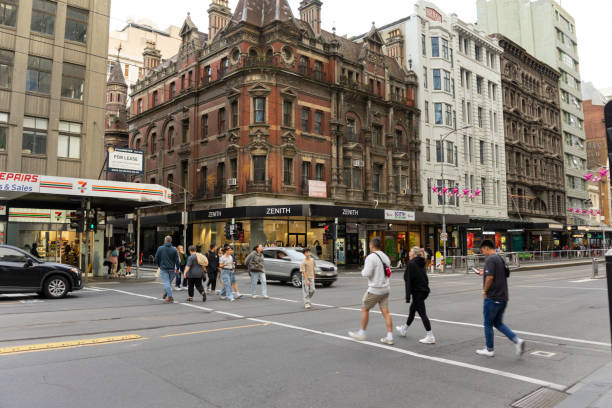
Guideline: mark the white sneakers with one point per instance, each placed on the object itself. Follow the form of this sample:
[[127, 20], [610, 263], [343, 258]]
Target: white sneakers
[[307, 305], [485, 352], [254, 296], [357, 336], [387, 340], [428, 339], [520, 347]]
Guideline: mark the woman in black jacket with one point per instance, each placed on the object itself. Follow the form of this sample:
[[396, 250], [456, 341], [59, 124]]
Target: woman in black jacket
[[417, 287]]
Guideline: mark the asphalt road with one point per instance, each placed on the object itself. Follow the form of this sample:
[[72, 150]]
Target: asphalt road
[[273, 353]]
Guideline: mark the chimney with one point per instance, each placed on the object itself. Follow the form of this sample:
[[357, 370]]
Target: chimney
[[310, 12], [219, 14], [152, 56]]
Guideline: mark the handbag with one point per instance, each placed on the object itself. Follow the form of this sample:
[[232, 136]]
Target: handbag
[[202, 260]]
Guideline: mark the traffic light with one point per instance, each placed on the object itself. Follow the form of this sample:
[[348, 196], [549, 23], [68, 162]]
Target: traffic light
[[77, 220], [330, 231], [92, 221], [237, 230], [228, 230]]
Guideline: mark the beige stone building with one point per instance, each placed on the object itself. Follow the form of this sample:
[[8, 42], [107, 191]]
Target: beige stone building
[[52, 86], [128, 45]]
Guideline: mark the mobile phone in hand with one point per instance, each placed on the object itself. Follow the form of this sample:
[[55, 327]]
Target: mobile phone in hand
[[476, 271]]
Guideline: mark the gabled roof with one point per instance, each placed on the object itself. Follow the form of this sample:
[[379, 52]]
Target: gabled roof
[[188, 26], [260, 13], [116, 75], [374, 36]]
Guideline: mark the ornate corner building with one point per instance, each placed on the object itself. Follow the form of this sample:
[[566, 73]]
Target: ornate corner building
[[272, 110], [534, 144]]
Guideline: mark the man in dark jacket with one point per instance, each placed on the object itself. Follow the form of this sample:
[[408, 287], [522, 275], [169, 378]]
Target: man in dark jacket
[[417, 288], [167, 260], [213, 268]]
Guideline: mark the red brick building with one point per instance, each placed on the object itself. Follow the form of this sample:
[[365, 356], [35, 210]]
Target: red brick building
[[274, 111]]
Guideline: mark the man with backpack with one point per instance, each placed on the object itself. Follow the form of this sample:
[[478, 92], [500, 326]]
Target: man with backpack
[[377, 268], [495, 293]]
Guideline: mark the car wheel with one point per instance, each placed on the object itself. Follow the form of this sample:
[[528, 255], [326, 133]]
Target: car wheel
[[327, 284], [296, 279], [56, 287]]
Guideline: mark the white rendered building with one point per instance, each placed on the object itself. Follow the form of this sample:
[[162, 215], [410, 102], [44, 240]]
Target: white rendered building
[[460, 86]]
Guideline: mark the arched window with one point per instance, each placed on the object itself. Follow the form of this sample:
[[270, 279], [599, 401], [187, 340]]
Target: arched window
[[153, 143], [170, 137]]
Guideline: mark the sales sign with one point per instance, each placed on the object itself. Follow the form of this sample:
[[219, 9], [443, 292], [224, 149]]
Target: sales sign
[[127, 161], [396, 215]]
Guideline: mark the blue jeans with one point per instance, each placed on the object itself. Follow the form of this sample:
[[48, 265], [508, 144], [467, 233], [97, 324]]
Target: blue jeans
[[226, 276], [494, 317], [167, 279], [178, 277], [261, 276]]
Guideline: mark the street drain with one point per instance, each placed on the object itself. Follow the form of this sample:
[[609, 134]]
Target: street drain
[[542, 398]]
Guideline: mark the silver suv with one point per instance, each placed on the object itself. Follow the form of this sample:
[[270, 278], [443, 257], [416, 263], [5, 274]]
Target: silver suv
[[283, 264]]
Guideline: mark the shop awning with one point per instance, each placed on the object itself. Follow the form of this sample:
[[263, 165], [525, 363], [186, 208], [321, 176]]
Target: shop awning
[[40, 191]]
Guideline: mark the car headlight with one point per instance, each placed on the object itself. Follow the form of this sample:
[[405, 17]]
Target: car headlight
[[75, 270], [318, 270]]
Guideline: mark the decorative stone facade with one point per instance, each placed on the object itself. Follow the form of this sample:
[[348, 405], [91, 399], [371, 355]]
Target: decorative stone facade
[[534, 145], [268, 105]]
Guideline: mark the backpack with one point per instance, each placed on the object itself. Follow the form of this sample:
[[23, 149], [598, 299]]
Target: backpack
[[201, 260], [386, 267], [506, 267]]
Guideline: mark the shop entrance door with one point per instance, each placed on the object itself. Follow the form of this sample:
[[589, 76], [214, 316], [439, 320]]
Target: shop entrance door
[[297, 240], [352, 249]]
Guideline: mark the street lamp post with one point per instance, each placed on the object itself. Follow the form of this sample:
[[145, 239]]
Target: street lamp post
[[184, 217], [444, 234]]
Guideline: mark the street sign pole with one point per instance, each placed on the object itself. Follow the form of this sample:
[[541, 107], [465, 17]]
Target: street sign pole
[[138, 243], [86, 216]]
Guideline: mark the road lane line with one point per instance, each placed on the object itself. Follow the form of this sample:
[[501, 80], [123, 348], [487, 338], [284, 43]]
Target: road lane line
[[217, 330], [480, 326], [68, 344], [558, 287], [474, 367], [129, 293], [583, 280]]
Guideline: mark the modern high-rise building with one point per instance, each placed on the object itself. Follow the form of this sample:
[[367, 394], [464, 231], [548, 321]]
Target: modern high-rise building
[[52, 86], [461, 123], [548, 32]]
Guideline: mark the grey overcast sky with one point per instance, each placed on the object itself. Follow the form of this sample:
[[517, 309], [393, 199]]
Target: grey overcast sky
[[352, 17]]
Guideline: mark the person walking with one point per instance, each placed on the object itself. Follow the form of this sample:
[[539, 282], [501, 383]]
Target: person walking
[[181, 270], [167, 260], [114, 260], [129, 256], [228, 274], [194, 272], [213, 268], [417, 288], [495, 293], [121, 260], [255, 264], [375, 269], [308, 278]]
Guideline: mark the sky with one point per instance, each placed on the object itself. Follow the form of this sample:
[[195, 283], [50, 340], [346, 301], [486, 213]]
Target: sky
[[352, 17]]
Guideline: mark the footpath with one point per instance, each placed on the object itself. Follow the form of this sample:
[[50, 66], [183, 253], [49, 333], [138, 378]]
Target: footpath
[[594, 391]]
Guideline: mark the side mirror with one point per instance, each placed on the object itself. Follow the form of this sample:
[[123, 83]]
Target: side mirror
[[29, 263]]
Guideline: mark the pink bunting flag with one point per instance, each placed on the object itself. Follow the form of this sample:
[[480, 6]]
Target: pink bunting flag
[[598, 212], [434, 189], [445, 190], [466, 191], [477, 192], [603, 172], [455, 191], [584, 211], [588, 176], [571, 210], [472, 196]]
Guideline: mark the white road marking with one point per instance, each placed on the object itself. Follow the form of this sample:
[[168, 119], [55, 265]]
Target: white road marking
[[91, 289], [455, 363], [131, 293], [583, 280], [558, 287], [440, 360], [480, 326]]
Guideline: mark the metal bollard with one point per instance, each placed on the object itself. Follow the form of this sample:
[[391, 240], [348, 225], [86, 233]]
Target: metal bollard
[[609, 284], [595, 267]]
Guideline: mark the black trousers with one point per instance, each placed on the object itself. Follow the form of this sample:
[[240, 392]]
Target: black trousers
[[197, 282], [418, 305], [212, 279]]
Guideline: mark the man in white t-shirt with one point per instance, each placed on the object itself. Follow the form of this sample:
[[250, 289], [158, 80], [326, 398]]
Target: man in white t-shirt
[[378, 291]]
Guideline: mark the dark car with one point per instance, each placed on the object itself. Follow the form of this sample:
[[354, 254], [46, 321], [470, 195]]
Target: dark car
[[21, 272]]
